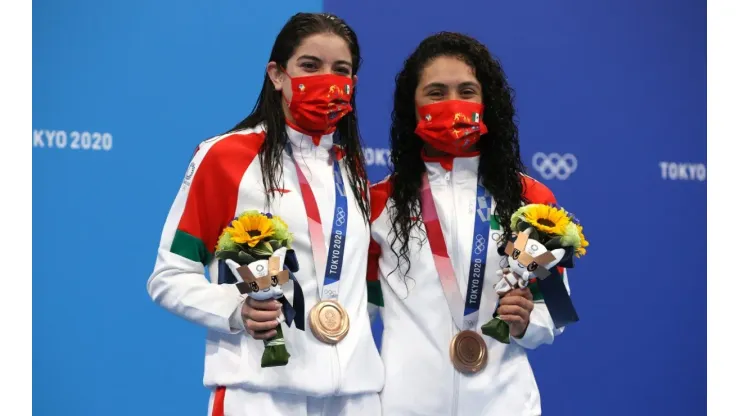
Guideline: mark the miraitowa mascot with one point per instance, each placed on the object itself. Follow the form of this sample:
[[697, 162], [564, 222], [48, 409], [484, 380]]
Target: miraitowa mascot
[[262, 280], [264, 277], [544, 243]]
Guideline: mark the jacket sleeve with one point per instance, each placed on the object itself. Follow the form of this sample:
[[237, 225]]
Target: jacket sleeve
[[379, 194], [203, 207], [541, 329], [374, 292]]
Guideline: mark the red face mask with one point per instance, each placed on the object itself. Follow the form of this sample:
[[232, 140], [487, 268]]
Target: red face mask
[[320, 101], [451, 126]]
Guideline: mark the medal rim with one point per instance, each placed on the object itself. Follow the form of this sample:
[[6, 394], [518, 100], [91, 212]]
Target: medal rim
[[458, 363], [320, 331]]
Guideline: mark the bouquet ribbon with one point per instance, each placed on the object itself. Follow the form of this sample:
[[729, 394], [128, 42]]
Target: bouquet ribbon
[[557, 300]]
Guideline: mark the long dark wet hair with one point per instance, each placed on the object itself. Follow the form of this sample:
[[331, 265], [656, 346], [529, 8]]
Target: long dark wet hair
[[269, 110], [500, 163]]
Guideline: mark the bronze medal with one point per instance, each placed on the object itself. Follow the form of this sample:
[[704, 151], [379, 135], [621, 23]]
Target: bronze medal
[[468, 352], [329, 321]]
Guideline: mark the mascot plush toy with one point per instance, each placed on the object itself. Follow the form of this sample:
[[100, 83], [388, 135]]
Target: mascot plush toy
[[544, 242], [263, 277]]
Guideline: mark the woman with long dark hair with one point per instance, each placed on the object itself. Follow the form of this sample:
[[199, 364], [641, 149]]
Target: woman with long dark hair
[[441, 215], [297, 156]]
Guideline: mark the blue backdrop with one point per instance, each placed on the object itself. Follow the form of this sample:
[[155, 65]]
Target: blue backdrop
[[611, 93]]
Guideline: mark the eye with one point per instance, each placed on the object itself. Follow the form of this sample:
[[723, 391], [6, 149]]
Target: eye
[[435, 94], [532, 266], [468, 92], [343, 70], [515, 254], [309, 66]]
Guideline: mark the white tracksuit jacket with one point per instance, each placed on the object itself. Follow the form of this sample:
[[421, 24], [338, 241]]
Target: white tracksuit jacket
[[420, 378], [223, 180]]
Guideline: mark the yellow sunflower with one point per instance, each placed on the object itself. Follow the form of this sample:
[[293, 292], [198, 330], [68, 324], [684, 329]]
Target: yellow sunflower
[[250, 228], [544, 218], [584, 243]]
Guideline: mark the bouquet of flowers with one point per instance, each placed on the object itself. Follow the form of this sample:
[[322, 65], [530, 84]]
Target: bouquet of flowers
[[545, 239], [256, 248]]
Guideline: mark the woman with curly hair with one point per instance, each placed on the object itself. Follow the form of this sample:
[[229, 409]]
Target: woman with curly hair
[[437, 221]]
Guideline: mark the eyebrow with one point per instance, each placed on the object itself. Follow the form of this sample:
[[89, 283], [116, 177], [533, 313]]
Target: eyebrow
[[441, 85], [469, 84], [435, 85], [309, 57], [316, 59]]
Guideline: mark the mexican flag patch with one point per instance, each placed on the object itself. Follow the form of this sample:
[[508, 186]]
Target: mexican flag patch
[[495, 224]]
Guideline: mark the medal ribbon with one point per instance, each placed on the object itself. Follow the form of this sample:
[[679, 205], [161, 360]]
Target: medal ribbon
[[331, 261], [465, 315]]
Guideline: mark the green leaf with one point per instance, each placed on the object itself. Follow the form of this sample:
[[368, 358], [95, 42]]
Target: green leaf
[[228, 255], [555, 242], [275, 244], [245, 258], [523, 225], [497, 329], [262, 249]]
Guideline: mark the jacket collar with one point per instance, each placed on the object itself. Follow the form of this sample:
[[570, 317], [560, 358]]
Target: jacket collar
[[461, 168], [315, 146]]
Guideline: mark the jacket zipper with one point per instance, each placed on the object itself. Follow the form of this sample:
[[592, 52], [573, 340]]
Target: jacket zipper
[[455, 381], [455, 329], [336, 369]]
